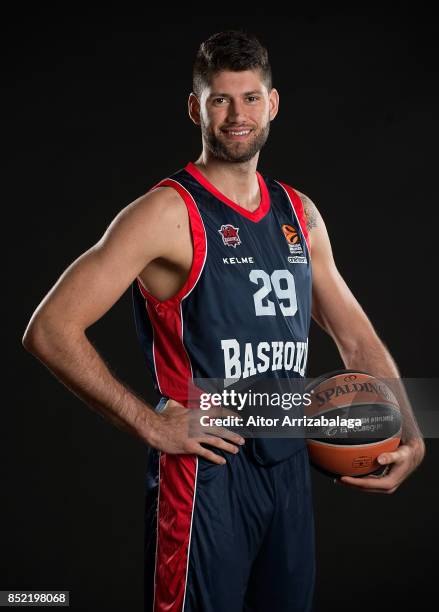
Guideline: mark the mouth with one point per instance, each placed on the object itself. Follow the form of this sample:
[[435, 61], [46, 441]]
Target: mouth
[[237, 134]]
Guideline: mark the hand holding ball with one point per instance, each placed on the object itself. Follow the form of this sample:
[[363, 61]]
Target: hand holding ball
[[337, 449]]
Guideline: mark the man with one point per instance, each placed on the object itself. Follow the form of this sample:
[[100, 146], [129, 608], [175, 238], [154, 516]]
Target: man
[[219, 261]]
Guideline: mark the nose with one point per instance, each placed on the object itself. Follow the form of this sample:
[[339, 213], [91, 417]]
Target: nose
[[236, 111]]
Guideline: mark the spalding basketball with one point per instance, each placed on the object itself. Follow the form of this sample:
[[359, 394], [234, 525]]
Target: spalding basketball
[[356, 418]]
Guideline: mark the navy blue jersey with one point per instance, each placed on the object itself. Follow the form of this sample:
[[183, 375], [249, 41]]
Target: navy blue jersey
[[245, 308], [243, 313]]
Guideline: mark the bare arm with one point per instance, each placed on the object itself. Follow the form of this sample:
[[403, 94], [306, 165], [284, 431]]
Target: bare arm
[[338, 312], [85, 292]]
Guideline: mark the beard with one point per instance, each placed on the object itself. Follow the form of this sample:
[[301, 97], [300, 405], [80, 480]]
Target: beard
[[236, 152]]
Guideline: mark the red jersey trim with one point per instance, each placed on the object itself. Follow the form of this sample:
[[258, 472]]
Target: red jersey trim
[[177, 492], [256, 215], [199, 242], [173, 369], [297, 205]]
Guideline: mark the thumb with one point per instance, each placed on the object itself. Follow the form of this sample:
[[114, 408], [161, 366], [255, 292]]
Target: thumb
[[385, 458]]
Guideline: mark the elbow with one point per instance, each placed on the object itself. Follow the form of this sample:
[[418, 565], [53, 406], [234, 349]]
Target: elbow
[[33, 337], [39, 335], [25, 341], [45, 335]]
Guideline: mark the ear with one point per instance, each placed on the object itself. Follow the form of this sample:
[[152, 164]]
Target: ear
[[193, 105], [273, 101]]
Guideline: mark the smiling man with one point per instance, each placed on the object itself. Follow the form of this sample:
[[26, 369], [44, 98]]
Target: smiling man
[[218, 257]]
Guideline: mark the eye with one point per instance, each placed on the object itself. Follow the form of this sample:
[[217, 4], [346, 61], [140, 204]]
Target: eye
[[217, 100], [253, 98]]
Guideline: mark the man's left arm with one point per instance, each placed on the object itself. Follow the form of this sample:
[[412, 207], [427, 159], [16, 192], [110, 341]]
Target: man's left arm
[[338, 313]]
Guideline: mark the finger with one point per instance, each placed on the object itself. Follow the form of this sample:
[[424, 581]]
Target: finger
[[383, 492], [221, 412], [223, 432], [218, 413], [209, 455], [219, 443], [196, 426], [375, 491], [393, 457], [379, 484], [384, 472], [398, 470]]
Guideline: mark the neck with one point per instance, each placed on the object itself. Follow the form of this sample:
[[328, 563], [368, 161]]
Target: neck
[[238, 181]]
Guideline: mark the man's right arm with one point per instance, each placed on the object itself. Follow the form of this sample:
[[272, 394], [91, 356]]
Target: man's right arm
[[86, 290]]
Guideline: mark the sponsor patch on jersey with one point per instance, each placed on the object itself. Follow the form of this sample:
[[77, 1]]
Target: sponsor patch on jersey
[[292, 236], [238, 260], [297, 259], [229, 234]]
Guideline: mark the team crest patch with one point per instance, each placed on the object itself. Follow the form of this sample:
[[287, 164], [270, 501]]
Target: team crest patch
[[229, 234]]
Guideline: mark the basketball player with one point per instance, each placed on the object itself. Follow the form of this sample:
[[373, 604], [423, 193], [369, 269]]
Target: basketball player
[[217, 293]]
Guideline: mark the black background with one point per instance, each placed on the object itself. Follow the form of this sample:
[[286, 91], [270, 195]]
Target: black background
[[94, 115]]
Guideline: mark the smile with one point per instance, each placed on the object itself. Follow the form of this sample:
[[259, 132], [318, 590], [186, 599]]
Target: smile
[[237, 134]]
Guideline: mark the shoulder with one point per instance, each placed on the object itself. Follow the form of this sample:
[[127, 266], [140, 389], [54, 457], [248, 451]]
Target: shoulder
[[160, 204], [317, 230], [148, 221], [311, 213], [307, 209], [163, 198]]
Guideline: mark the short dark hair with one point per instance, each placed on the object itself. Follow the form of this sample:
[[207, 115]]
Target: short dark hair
[[230, 50]]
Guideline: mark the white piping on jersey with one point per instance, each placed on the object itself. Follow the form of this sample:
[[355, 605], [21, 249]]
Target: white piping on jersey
[[190, 533], [297, 218], [182, 341], [199, 275], [153, 353], [157, 535]]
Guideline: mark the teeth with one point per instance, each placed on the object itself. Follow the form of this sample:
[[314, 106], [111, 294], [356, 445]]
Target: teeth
[[239, 133]]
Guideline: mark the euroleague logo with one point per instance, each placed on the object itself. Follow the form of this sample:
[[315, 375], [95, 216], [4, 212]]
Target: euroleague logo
[[293, 238], [229, 234], [290, 234]]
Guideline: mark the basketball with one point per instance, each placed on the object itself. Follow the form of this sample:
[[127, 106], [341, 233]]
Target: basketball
[[360, 419]]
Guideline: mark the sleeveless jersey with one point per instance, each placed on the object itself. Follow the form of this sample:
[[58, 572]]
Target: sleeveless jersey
[[245, 308]]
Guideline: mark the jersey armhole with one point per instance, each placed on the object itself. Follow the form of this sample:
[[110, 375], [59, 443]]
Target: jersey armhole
[[199, 245], [297, 205]]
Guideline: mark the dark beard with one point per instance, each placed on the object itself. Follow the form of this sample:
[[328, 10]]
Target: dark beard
[[220, 150]]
